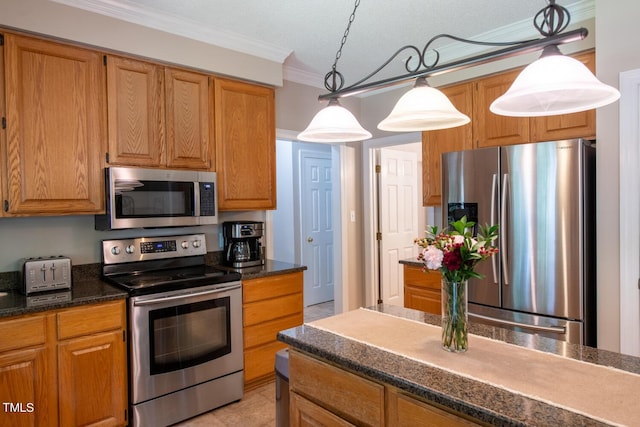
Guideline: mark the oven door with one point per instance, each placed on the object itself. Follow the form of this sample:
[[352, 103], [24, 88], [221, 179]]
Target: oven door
[[183, 338]]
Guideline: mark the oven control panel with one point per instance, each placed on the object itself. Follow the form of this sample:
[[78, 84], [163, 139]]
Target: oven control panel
[[152, 248]]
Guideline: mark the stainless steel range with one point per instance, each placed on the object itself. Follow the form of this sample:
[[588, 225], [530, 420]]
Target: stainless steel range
[[185, 327]]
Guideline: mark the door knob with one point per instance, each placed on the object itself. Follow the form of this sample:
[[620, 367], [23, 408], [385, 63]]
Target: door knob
[[309, 239]]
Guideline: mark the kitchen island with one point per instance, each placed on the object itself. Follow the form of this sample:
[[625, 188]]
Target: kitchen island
[[393, 379]]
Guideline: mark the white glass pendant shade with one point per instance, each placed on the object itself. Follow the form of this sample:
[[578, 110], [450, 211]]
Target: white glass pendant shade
[[334, 124], [423, 108], [554, 84]]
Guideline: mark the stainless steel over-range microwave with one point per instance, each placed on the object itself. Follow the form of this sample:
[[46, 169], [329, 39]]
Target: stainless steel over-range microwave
[[148, 198]]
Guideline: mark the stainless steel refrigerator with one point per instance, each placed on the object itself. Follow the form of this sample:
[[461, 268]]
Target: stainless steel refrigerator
[[542, 195]]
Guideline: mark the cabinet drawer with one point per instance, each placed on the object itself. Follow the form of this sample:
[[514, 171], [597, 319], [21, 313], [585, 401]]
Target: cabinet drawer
[[266, 332], [22, 332], [349, 396], [261, 361], [405, 411], [91, 319], [418, 278], [270, 287], [271, 309]]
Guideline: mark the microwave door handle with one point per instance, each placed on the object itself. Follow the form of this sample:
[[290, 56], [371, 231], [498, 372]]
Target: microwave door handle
[[503, 227], [184, 296], [494, 208], [196, 198]]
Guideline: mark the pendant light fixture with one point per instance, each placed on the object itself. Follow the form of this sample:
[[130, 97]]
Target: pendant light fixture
[[334, 123], [423, 108], [554, 84]]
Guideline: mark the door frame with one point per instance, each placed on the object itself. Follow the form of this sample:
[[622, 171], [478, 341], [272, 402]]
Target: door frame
[[370, 207], [629, 211]]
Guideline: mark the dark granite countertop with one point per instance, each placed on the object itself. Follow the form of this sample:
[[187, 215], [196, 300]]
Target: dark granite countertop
[[86, 288], [412, 261], [482, 401], [270, 268]]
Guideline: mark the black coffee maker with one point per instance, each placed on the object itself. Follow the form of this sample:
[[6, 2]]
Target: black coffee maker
[[243, 243]]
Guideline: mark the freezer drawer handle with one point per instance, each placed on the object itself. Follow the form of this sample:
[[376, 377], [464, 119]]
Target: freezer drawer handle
[[555, 329]]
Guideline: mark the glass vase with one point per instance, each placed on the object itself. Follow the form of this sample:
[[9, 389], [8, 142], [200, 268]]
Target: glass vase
[[454, 316]]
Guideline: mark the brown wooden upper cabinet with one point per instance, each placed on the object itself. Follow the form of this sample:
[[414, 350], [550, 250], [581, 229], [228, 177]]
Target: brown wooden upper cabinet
[[55, 133], [245, 145], [158, 116], [436, 142], [491, 130]]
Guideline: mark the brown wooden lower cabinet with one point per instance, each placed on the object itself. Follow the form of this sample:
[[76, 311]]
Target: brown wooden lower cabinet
[[422, 290], [65, 367], [269, 305], [323, 394]]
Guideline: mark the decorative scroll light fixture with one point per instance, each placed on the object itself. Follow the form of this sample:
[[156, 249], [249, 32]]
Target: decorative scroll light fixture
[[553, 84]]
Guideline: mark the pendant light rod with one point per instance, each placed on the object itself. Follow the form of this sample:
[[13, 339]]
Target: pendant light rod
[[519, 49]]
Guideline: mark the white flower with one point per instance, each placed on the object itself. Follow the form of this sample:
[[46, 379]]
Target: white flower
[[432, 257], [458, 238]]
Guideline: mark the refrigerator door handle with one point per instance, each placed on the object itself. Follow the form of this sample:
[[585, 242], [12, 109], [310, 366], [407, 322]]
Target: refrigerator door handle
[[503, 227], [554, 329], [494, 208]]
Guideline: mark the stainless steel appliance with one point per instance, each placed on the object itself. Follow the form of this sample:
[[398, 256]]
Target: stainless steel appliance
[[49, 273], [543, 198], [185, 327], [137, 198], [243, 243]]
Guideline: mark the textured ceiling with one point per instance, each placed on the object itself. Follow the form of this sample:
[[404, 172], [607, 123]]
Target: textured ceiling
[[305, 34]]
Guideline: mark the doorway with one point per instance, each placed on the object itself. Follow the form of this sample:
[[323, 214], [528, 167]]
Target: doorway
[[394, 209], [316, 223], [287, 241]]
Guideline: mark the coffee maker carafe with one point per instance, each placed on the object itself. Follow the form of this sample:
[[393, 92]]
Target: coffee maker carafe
[[243, 243]]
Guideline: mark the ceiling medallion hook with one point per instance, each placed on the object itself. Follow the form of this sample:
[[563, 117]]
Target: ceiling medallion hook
[[552, 19], [333, 80]]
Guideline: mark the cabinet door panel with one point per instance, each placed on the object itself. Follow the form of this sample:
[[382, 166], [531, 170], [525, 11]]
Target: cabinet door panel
[[55, 127], [27, 380], [306, 413], [135, 102], [187, 98], [492, 130], [434, 143], [92, 380], [567, 126], [245, 145]]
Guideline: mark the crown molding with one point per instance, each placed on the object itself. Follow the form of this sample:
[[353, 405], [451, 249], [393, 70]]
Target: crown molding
[[180, 26]]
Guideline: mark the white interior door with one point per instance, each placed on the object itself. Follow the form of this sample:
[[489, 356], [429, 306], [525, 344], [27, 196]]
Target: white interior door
[[316, 227], [398, 210]]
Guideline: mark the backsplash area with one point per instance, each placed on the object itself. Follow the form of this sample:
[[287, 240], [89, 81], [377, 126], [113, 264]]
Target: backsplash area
[[75, 237]]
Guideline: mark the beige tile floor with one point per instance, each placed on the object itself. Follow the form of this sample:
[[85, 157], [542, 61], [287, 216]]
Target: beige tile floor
[[257, 407]]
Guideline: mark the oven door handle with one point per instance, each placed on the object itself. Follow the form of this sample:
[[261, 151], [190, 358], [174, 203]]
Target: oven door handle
[[184, 296]]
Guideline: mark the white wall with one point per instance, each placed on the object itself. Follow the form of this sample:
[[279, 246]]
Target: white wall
[[616, 51]]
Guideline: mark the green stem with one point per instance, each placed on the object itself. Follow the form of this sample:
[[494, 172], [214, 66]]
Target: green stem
[[454, 316]]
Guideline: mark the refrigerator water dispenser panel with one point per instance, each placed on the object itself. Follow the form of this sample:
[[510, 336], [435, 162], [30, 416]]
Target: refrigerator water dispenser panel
[[456, 211]]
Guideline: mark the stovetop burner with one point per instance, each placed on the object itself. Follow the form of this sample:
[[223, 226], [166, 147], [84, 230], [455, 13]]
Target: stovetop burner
[[165, 280], [159, 264]]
